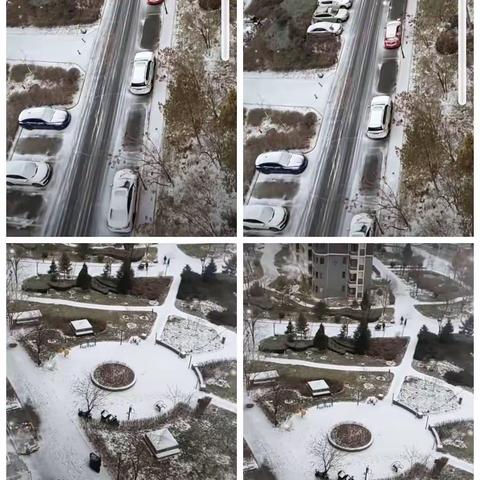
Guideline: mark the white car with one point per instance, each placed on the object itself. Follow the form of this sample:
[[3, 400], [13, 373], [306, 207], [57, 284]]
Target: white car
[[330, 14], [362, 225], [44, 118], [335, 3], [264, 217], [281, 162], [143, 73], [325, 27], [27, 173], [381, 110], [123, 202]]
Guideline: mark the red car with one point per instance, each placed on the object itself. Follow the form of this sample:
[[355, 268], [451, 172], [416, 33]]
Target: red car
[[393, 34], [155, 2]]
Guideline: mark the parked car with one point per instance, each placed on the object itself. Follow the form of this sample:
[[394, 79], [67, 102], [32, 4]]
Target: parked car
[[28, 173], [322, 28], [143, 73], [123, 201], [393, 34], [362, 225], [381, 111], [330, 14], [155, 2], [45, 118], [335, 3], [281, 162], [264, 217]]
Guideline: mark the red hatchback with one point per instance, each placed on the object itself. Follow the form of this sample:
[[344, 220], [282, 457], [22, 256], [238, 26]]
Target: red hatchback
[[393, 34]]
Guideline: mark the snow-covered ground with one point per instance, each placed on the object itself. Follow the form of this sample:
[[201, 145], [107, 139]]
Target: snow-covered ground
[[396, 432], [161, 375]]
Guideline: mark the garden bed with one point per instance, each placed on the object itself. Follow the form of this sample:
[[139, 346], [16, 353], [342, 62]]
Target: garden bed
[[350, 436], [113, 376]]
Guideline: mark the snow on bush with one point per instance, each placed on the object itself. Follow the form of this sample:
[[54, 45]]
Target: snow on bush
[[427, 396], [190, 336]]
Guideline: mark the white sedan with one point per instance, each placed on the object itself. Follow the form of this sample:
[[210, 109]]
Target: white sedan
[[123, 202], [281, 162], [362, 225], [27, 173], [321, 28], [143, 73], [264, 217], [335, 3]]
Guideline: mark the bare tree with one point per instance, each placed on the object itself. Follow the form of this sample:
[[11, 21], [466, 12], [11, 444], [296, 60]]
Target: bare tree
[[39, 337], [91, 396], [326, 456], [250, 321], [137, 457], [15, 255], [177, 396]]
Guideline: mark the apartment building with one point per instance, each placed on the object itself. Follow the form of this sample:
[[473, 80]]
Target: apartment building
[[336, 270]]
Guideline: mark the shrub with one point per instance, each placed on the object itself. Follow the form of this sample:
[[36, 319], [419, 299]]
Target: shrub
[[210, 4], [462, 378], [447, 43]]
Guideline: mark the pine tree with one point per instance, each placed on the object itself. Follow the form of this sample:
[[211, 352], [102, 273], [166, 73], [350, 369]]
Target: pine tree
[[320, 340], [302, 325], [289, 330], [343, 331], [407, 255], [446, 332], [230, 265], [82, 250], [320, 310], [361, 338], [467, 326], [210, 270], [84, 280], [423, 333], [186, 272], [53, 270], [107, 270], [125, 277], [65, 266], [366, 304]]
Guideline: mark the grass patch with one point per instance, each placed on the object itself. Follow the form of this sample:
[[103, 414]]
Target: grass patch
[[344, 385], [58, 87], [207, 250], [207, 443], [268, 129], [453, 311], [52, 13], [221, 290], [457, 439], [279, 41], [220, 377]]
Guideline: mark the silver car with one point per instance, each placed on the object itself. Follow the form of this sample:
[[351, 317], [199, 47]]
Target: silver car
[[123, 202], [27, 173]]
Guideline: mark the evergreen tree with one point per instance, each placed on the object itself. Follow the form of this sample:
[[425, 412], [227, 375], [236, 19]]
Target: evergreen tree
[[107, 269], [343, 331], [290, 330], [65, 266], [446, 332], [407, 255], [84, 280], [186, 272], [366, 304], [423, 333], [82, 250], [320, 310], [210, 270], [302, 325], [125, 277], [230, 265], [320, 340], [361, 338], [467, 326], [53, 270]]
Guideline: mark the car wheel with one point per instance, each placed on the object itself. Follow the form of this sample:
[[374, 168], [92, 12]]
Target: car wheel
[[38, 185], [9, 184]]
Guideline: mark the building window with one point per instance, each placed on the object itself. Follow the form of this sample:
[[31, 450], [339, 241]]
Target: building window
[[316, 274], [316, 289], [344, 260], [343, 288], [322, 260], [343, 274], [321, 275]]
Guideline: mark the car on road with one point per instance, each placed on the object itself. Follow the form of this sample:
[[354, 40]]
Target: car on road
[[281, 162], [264, 217], [143, 73], [28, 173], [330, 14], [322, 28], [335, 3], [44, 118], [362, 225], [123, 202], [393, 34], [381, 110]]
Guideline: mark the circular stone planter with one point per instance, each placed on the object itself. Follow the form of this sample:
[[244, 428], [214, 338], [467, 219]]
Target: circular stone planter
[[113, 376], [350, 436]]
